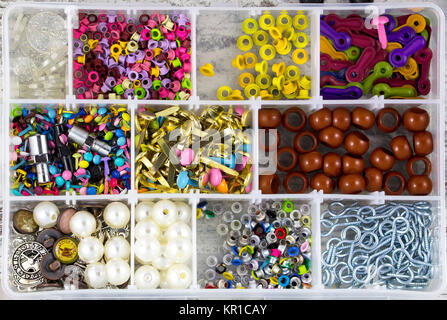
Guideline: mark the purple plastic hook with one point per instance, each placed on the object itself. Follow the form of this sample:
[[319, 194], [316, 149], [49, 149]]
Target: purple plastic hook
[[403, 36], [341, 40], [398, 57], [352, 92]]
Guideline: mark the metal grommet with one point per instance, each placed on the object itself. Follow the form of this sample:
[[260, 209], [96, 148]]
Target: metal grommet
[[236, 207]]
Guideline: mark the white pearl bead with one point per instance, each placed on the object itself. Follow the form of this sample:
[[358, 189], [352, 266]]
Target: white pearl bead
[[179, 249], [143, 210], [164, 213], [45, 214], [147, 228], [147, 277], [179, 276], [82, 224], [117, 248], [118, 271], [90, 250], [162, 262], [116, 215], [163, 282], [183, 211], [179, 230], [95, 275], [146, 250]]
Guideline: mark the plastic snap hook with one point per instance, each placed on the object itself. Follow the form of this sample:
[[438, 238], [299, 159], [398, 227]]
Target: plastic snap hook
[[326, 47], [383, 89], [249, 26], [244, 42], [415, 21], [300, 56], [341, 40]]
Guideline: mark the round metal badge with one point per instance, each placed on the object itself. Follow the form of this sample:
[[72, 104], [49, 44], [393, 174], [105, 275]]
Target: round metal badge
[[25, 263]]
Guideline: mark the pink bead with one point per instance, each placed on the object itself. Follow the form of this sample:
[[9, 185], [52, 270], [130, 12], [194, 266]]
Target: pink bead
[[178, 152], [241, 166], [275, 253], [83, 28], [248, 188], [80, 172], [83, 191], [205, 180], [77, 34], [187, 67], [67, 175], [239, 110], [215, 177], [102, 126], [77, 65], [163, 92], [186, 157]]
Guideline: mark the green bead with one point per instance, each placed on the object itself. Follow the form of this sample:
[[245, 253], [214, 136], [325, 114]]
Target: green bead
[[287, 206], [93, 111], [176, 63], [108, 136], [424, 34], [209, 213]]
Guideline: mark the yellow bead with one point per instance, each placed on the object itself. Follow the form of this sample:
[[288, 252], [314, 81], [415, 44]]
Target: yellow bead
[[292, 73], [250, 26], [126, 116], [261, 67], [267, 52], [260, 38], [239, 62], [244, 42], [224, 92], [84, 164], [301, 40], [252, 90], [207, 70], [300, 56], [263, 80], [266, 21], [279, 68], [245, 79], [278, 82], [250, 60], [300, 22]]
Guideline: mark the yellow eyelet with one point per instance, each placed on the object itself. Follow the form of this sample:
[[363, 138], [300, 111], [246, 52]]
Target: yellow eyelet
[[286, 50], [278, 82], [300, 22], [261, 67], [236, 95], [301, 40], [267, 52], [252, 90], [260, 38], [300, 56], [305, 82], [292, 73], [207, 70], [250, 60], [249, 26], [239, 62], [303, 94], [244, 42], [245, 79], [279, 68], [224, 92], [265, 95], [289, 34], [275, 33], [275, 92], [266, 21], [289, 87], [284, 21], [263, 80], [280, 44]]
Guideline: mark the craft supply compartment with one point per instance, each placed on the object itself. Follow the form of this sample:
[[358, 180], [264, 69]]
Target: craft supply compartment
[[214, 34]]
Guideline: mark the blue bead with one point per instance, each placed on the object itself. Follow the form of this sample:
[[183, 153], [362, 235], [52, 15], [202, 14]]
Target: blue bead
[[91, 190], [60, 181], [52, 113], [102, 111], [88, 156], [16, 192], [97, 159], [24, 112], [234, 248], [120, 152], [119, 133], [202, 204], [182, 179], [121, 141], [115, 174], [119, 162], [67, 185]]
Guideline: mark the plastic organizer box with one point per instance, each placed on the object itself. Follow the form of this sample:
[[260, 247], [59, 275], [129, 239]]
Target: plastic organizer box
[[214, 32]]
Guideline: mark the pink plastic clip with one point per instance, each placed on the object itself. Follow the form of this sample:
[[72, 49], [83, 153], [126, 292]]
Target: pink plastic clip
[[380, 23]]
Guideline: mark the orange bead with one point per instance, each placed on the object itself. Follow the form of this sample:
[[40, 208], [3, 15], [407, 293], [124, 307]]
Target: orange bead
[[88, 118], [222, 187]]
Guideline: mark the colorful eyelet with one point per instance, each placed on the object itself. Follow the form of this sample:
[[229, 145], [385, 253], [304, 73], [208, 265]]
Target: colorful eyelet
[[250, 60], [287, 49], [305, 82], [263, 81], [278, 82], [275, 92], [260, 38], [267, 52], [284, 21], [275, 33], [245, 79], [252, 90], [289, 87], [249, 26], [244, 42], [300, 56]]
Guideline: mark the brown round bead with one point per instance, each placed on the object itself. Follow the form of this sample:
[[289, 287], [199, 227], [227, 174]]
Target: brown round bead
[[305, 141], [352, 164], [390, 186], [269, 184], [320, 119], [290, 122], [331, 137], [321, 181], [416, 119], [310, 161], [382, 159], [413, 170], [341, 119], [351, 183], [363, 118], [419, 185], [374, 179], [289, 163], [401, 148], [294, 176], [332, 164], [384, 123], [269, 118], [422, 143], [270, 133], [356, 143]]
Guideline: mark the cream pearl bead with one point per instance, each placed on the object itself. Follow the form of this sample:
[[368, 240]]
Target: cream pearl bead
[[117, 248], [82, 224], [116, 215], [162, 262], [163, 282], [183, 212], [95, 275], [147, 277], [147, 228], [147, 249], [90, 250], [118, 271], [164, 213], [179, 230], [45, 214], [179, 249], [143, 210], [179, 276]]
